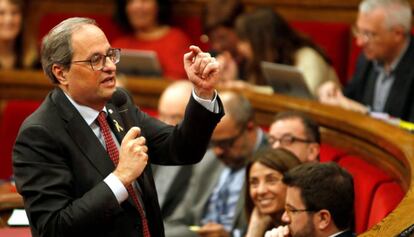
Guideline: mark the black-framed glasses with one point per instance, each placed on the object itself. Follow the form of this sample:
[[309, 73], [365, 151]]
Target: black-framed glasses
[[98, 61], [227, 143], [291, 210], [287, 140]]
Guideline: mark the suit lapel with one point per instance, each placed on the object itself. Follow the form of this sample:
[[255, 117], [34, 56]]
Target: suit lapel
[[116, 123], [82, 134]]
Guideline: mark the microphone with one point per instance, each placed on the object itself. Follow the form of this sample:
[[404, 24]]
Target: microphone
[[119, 99]]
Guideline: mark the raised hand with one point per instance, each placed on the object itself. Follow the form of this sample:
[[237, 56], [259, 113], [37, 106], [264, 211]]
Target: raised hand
[[202, 70], [281, 231]]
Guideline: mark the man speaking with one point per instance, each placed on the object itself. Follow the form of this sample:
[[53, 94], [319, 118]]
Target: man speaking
[[80, 169]]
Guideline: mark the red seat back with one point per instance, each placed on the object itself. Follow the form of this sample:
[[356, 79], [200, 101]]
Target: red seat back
[[14, 114], [386, 198], [367, 178], [330, 153]]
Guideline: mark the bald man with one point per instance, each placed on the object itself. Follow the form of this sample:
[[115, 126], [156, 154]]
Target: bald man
[[173, 101], [172, 181]]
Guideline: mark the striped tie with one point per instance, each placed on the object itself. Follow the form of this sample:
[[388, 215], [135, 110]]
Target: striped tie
[[114, 155]]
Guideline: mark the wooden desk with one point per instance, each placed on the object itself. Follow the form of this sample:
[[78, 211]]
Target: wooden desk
[[382, 144]]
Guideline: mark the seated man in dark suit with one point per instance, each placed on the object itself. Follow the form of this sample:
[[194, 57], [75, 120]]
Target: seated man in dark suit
[[319, 202], [214, 205], [384, 77], [80, 168]]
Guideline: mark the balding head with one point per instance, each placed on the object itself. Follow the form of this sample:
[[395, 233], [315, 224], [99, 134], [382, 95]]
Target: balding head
[[237, 107], [173, 101]]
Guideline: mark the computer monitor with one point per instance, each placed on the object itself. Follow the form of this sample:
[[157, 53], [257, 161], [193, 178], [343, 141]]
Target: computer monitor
[[285, 79], [139, 63]]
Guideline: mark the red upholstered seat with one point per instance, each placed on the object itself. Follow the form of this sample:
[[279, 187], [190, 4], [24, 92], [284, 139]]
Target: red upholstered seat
[[14, 114], [333, 38], [367, 178], [386, 198], [330, 153]]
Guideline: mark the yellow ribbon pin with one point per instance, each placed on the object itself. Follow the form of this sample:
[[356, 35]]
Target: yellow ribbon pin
[[117, 126]]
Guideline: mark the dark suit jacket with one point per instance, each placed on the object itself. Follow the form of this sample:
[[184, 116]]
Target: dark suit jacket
[[347, 233], [60, 165], [400, 101]]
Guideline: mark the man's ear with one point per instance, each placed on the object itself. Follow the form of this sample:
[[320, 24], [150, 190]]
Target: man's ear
[[323, 219], [313, 152], [60, 73]]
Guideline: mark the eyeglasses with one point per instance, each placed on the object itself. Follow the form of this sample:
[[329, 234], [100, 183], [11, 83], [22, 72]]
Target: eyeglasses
[[227, 143], [363, 34], [291, 210], [98, 61], [287, 140]]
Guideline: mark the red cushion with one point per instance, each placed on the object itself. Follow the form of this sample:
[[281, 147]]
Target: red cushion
[[14, 113], [330, 153], [333, 38], [386, 198], [367, 178]]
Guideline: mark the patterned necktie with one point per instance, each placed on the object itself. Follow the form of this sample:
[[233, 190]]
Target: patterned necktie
[[114, 155]]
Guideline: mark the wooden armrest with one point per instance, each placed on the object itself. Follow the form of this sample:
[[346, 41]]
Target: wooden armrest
[[9, 201]]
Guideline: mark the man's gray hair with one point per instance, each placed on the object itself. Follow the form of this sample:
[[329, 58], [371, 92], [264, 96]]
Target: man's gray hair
[[57, 45], [397, 12]]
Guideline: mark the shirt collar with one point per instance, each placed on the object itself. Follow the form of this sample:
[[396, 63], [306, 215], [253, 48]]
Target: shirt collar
[[338, 233], [87, 113]]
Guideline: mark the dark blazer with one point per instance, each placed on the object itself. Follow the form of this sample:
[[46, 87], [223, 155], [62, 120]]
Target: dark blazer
[[59, 166], [347, 233], [400, 101]]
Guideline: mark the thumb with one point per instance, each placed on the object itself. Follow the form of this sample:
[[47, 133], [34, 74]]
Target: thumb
[[133, 133]]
